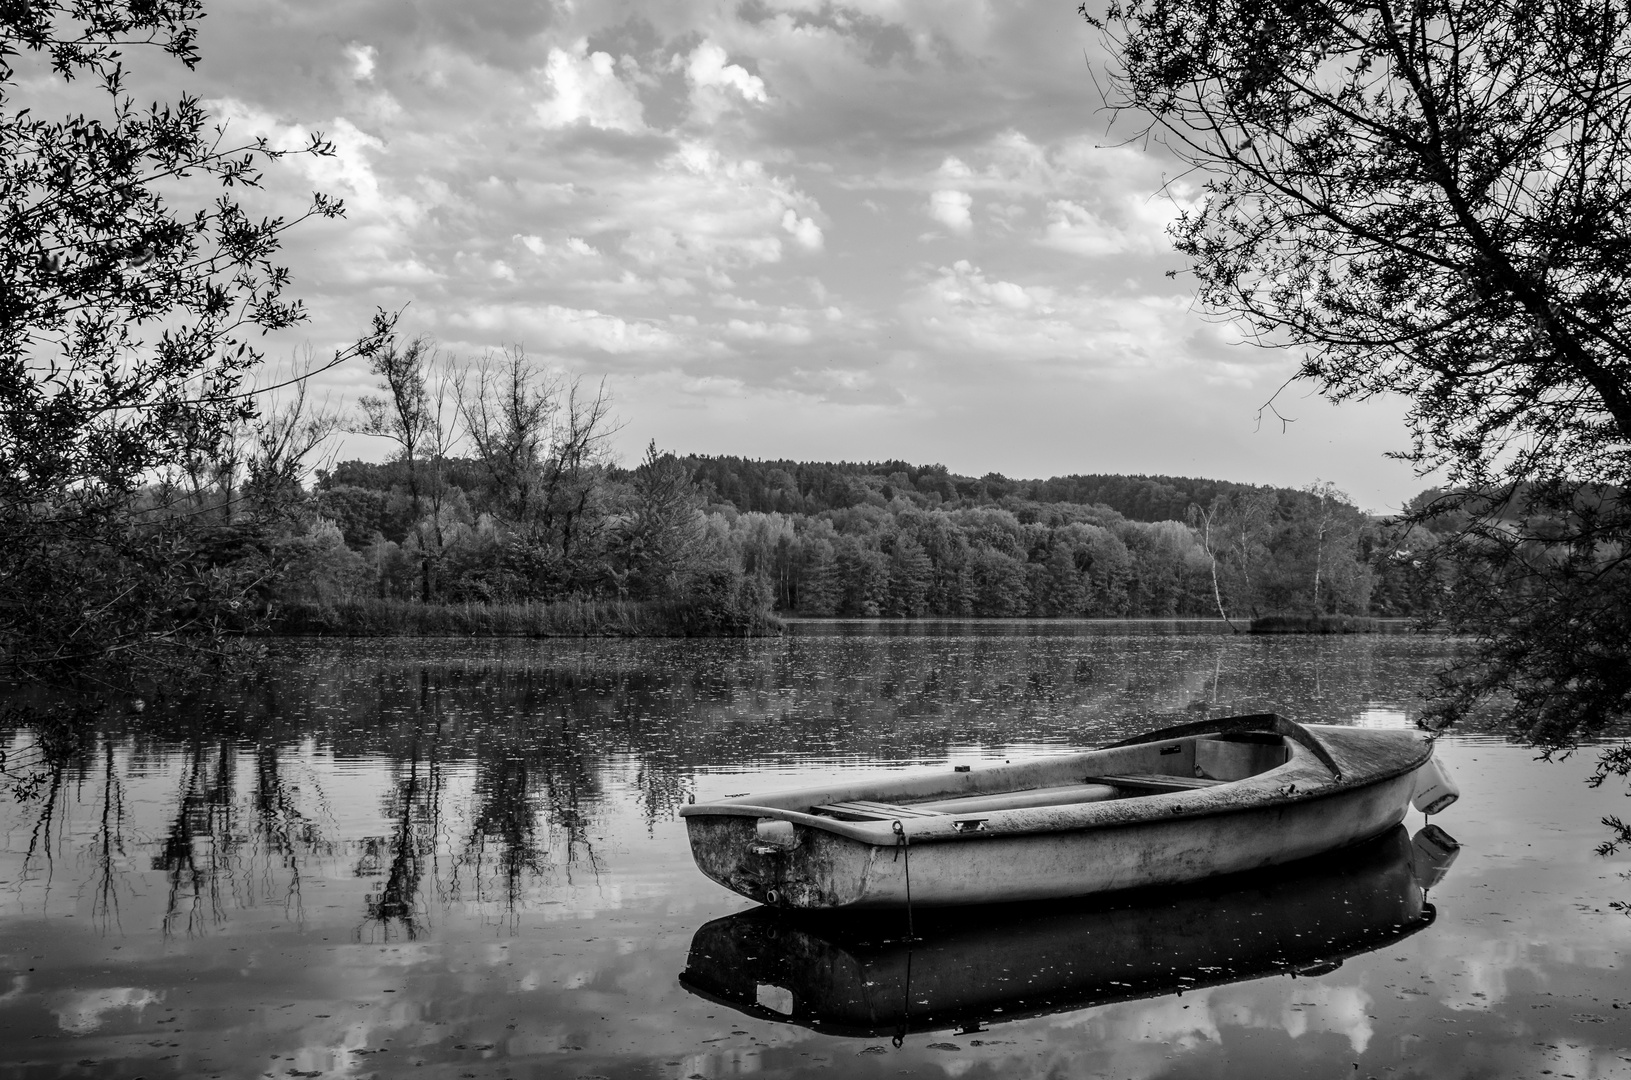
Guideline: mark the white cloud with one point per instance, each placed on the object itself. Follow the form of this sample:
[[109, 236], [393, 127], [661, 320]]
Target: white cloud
[[1079, 230], [347, 173], [586, 89], [963, 310], [805, 231], [780, 333], [707, 67], [951, 209], [363, 58], [700, 213], [573, 247], [966, 285], [554, 327]]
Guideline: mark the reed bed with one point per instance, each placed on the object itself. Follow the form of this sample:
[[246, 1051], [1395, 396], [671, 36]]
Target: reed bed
[[1316, 624]]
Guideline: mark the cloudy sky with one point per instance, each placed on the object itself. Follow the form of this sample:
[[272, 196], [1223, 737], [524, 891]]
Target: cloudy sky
[[885, 229]]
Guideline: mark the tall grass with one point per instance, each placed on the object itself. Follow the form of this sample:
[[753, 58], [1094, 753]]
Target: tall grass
[[562, 618]]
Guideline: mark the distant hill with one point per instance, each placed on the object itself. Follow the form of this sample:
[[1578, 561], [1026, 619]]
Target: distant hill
[[811, 487]]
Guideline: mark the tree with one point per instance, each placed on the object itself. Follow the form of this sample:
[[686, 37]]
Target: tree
[[571, 514], [1207, 525], [661, 540], [414, 413], [509, 405], [910, 573], [133, 286], [1321, 551], [1434, 200]]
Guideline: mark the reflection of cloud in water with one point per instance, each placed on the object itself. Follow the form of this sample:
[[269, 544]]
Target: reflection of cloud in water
[[1340, 1010], [1185, 1021], [1381, 716], [1480, 970], [84, 1012], [1139, 1036], [1134, 1040], [1483, 969]]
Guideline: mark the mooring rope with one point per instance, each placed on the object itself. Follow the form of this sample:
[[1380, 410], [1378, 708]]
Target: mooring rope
[[903, 845], [906, 1005]]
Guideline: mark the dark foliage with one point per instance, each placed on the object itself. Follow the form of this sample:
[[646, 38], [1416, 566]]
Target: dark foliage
[[133, 286], [1434, 201]]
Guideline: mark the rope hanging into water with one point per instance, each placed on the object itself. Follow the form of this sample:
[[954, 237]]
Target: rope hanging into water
[[903, 845], [906, 1005]]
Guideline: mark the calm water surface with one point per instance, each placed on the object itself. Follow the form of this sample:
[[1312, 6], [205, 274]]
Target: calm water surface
[[462, 859]]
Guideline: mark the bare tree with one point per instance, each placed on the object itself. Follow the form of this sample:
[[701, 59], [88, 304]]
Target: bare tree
[[1207, 518], [509, 404], [571, 474], [415, 414], [284, 439]]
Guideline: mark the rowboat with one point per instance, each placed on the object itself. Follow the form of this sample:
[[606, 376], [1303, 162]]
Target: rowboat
[[861, 976], [1175, 805]]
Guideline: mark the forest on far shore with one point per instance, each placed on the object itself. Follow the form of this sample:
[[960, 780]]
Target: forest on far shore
[[887, 539]]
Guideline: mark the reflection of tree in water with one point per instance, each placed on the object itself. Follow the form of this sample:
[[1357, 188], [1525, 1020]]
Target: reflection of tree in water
[[527, 772], [53, 767], [285, 834], [40, 770], [198, 850], [209, 854], [549, 734], [413, 804], [661, 783], [108, 843], [213, 855]]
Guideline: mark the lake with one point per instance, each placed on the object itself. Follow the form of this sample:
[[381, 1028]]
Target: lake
[[451, 858]]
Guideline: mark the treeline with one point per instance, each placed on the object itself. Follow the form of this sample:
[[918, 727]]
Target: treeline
[[1247, 552], [1041, 560], [499, 510], [875, 540], [814, 487]]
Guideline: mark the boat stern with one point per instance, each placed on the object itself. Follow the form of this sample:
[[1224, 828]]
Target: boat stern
[[778, 862]]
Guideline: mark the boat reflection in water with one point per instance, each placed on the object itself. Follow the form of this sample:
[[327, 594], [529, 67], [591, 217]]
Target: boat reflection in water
[[865, 977]]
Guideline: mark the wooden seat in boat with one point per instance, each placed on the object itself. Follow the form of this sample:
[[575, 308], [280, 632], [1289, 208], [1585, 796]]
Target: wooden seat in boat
[[862, 810], [1064, 795], [1030, 798], [1153, 783]]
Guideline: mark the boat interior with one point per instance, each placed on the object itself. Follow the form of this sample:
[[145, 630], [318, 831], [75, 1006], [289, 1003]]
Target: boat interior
[[1185, 763]]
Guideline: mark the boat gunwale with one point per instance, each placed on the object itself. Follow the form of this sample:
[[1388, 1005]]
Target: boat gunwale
[[1278, 786]]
